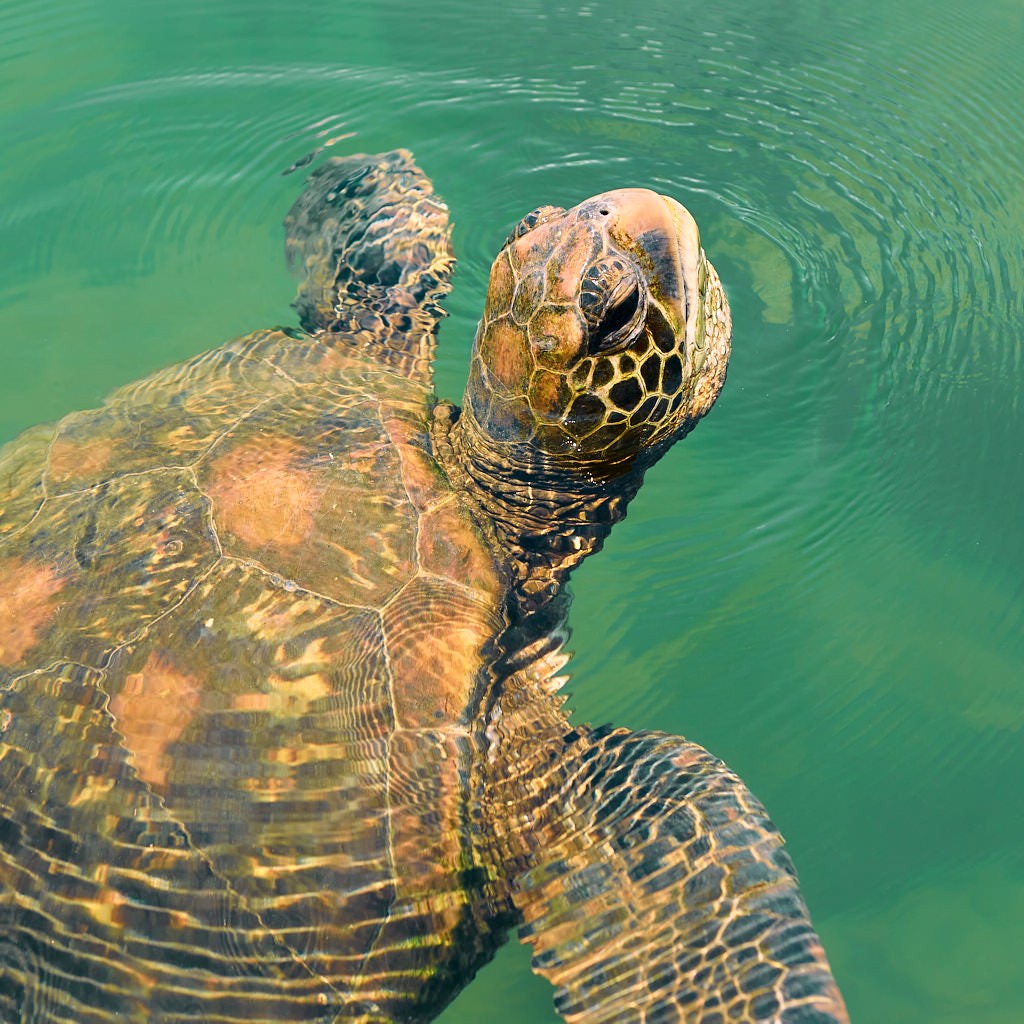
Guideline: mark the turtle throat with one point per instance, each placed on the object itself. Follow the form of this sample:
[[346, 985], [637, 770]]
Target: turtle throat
[[543, 519]]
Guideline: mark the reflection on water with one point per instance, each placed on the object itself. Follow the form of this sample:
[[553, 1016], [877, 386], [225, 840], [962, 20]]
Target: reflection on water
[[825, 586]]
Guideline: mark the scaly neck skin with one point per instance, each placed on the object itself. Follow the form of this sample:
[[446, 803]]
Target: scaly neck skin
[[544, 519]]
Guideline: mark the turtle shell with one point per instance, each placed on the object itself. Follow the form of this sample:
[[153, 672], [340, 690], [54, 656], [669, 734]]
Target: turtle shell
[[222, 721]]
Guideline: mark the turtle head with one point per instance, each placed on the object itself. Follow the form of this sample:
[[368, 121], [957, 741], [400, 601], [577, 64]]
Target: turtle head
[[605, 334]]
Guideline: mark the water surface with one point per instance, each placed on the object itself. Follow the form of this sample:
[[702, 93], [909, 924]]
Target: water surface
[[825, 583]]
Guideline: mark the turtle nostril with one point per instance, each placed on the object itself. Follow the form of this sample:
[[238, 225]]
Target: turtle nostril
[[604, 211]]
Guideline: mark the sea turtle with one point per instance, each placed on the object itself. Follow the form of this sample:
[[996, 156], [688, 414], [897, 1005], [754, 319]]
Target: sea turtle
[[280, 652]]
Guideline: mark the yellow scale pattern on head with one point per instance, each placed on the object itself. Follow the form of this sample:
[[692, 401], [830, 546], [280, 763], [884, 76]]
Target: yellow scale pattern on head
[[541, 375]]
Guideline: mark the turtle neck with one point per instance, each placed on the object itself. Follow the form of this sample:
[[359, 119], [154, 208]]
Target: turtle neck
[[545, 517]]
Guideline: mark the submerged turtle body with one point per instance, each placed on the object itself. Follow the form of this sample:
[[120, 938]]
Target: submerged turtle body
[[280, 641]]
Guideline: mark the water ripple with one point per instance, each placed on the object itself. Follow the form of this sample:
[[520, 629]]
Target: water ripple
[[894, 256]]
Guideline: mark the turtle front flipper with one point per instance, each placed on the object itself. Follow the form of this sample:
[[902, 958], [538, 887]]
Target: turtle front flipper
[[660, 892], [372, 240]]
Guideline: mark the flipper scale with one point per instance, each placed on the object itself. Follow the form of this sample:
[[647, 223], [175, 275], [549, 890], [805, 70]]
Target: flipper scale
[[662, 892]]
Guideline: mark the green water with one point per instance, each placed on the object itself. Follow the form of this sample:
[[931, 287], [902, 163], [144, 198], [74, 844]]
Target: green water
[[825, 583]]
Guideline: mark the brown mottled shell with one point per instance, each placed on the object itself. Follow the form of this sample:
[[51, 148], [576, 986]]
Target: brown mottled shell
[[224, 590], [303, 469]]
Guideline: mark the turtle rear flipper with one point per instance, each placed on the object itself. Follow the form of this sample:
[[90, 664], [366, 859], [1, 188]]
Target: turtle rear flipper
[[663, 894], [372, 240]]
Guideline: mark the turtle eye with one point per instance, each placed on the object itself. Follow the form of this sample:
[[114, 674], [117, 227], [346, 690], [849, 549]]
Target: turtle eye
[[617, 322], [614, 311], [539, 216]]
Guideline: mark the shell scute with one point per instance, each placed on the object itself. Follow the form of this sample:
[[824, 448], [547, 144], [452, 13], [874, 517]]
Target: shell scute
[[21, 472], [429, 690], [108, 859], [449, 546], [121, 555], [29, 595], [278, 764], [152, 709], [80, 459], [322, 503], [171, 418]]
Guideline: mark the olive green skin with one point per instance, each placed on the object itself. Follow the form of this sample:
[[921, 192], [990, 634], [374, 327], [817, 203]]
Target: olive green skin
[[279, 659]]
